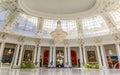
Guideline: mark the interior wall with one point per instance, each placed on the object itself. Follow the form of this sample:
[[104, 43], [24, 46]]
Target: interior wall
[[111, 56], [88, 41], [110, 50], [28, 47], [89, 49]]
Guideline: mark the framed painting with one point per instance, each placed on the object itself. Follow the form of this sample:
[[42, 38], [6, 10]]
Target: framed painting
[[28, 55], [91, 56]]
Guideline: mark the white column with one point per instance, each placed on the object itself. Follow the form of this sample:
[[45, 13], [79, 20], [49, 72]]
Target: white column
[[35, 54], [81, 56], [54, 56], [65, 57], [84, 53], [50, 57], [16, 55], [118, 51], [69, 57], [99, 57], [20, 57], [38, 56], [103, 56], [1, 51]]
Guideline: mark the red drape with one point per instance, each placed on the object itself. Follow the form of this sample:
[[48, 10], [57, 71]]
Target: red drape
[[73, 57], [117, 66], [46, 57]]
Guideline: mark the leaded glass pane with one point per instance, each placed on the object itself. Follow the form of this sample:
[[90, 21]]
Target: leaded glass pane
[[25, 23], [116, 17], [94, 26]]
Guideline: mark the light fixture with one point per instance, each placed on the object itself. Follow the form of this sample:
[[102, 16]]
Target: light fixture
[[58, 34]]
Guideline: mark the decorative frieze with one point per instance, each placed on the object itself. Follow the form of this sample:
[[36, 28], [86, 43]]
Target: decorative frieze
[[81, 41], [51, 42], [37, 42], [3, 36], [116, 37], [21, 39], [97, 40]]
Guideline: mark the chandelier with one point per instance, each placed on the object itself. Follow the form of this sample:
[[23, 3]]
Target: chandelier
[[58, 34]]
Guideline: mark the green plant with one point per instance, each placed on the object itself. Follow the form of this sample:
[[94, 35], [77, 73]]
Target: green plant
[[92, 65], [27, 65], [23, 65]]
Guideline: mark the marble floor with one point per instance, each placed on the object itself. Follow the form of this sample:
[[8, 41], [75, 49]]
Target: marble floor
[[56, 71]]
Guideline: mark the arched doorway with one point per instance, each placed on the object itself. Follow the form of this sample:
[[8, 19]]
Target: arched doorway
[[74, 58], [45, 58]]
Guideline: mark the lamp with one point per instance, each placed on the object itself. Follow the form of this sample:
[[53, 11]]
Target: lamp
[[58, 34]]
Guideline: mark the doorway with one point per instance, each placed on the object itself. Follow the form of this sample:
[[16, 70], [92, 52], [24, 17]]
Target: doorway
[[74, 56], [44, 58], [8, 54], [59, 57]]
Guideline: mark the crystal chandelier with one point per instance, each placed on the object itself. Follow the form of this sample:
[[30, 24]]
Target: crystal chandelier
[[58, 34]]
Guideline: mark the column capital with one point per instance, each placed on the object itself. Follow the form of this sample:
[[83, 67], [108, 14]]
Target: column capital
[[116, 37], [51, 42], [37, 41], [81, 41], [97, 40], [66, 42], [18, 44], [3, 36], [21, 40]]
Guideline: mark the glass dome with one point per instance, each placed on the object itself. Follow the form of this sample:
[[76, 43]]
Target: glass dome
[[116, 17], [94, 26], [25, 24], [67, 25], [4, 14]]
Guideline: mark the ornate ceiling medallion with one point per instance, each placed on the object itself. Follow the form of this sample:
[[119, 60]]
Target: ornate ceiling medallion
[[58, 34]]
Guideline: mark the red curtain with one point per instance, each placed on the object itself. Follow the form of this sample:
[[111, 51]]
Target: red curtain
[[73, 57], [117, 66], [46, 57]]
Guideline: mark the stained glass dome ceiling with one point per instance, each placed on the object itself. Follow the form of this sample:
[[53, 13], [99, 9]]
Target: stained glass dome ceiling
[[104, 20]]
